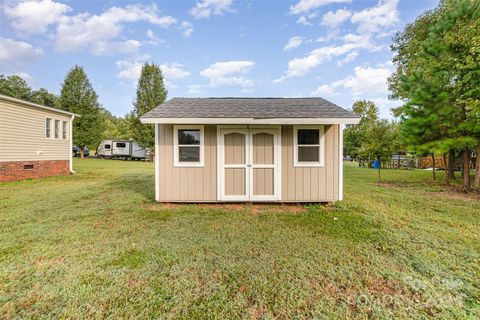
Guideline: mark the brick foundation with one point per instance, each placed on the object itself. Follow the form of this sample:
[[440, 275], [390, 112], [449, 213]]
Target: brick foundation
[[19, 170]]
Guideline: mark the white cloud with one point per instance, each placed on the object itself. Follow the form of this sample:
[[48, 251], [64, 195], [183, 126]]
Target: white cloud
[[85, 31], [173, 71], [334, 19], [131, 69], [194, 89], [301, 66], [187, 29], [365, 81], [104, 48], [293, 42], [376, 19], [14, 54], [368, 80], [308, 5], [349, 58], [153, 39], [324, 90], [205, 8], [34, 17], [229, 73]]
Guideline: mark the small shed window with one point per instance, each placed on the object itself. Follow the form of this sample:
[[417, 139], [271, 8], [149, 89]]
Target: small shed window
[[64, 129], [188, 146], [308, 142], [57, 129], [48, 127]]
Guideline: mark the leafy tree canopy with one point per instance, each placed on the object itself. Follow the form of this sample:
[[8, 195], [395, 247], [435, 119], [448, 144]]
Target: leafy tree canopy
[[78, 96]]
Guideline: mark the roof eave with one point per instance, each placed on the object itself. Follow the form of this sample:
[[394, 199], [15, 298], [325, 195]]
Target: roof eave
[[38, 106], [250, 120]]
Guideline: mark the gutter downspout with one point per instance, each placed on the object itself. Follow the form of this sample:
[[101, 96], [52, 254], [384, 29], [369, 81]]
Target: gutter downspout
[[70, 129]]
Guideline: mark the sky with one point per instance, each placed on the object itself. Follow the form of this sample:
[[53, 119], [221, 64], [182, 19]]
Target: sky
[[335, 49]]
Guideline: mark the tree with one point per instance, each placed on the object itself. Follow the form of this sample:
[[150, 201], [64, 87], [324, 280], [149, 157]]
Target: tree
[[43, 97], [16, 87], [379, 141], [114, 127], [437, 76], [151, 93], [78, 96], [355, 134]]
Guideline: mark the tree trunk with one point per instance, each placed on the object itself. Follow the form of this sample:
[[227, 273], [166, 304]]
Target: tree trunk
[[379, 167], [466, 169], [451, 164], [82, 153], [433, 167], [476, 182], [447, 170]]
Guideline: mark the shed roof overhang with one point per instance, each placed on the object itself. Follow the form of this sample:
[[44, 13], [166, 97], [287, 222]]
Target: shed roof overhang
[[251, 120]]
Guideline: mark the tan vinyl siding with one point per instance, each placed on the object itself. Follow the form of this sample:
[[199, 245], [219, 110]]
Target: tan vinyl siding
[[199, 184], [22, 134], [195, 184], [316, 184]]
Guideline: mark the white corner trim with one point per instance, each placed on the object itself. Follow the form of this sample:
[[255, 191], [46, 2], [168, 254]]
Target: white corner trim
[[176, 161], [340, 162], [321, 146], [157, 163], [246, 121], [70, 133]]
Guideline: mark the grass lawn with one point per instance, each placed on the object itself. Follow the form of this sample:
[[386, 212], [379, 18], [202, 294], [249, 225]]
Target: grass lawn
[[95, 245]]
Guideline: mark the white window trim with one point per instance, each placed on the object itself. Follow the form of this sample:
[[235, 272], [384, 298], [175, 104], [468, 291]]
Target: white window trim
[[64, 132], [56, 134], [50, 127], [176, 162], [321, 148]]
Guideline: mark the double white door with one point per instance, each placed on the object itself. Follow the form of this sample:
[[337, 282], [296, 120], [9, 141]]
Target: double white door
[[249, 164]]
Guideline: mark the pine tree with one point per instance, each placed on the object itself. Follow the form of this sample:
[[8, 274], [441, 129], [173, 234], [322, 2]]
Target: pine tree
[[151, 93], [438, 77], [78, 96]]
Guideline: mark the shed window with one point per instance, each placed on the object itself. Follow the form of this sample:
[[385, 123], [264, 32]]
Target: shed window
[[57, 129], [48, 127], [308, 142], [188, 146], [64, 129]]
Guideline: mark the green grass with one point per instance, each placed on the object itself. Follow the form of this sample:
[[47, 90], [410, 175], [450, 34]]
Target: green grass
[[95, 245]]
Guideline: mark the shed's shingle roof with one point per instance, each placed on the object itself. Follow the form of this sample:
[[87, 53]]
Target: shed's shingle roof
[[257, 108]]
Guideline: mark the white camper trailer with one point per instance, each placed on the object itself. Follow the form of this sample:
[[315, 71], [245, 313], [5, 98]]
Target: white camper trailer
[[121, 149]]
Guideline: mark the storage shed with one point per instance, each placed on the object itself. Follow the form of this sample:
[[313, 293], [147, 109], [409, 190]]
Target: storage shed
[[249, 149], [35, 140]]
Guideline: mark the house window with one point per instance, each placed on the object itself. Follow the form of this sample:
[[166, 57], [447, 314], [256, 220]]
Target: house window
[[188, 146], [48, 127], [308, 146], [64, 129], [57, 129]]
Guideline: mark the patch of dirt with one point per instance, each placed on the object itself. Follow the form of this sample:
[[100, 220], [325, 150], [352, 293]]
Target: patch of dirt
[[457, 195], [254, 208]]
